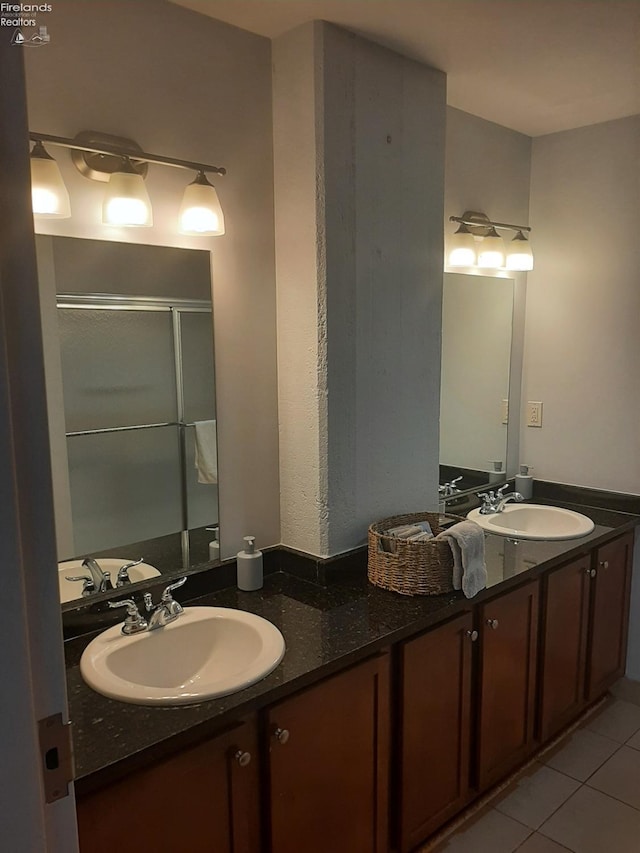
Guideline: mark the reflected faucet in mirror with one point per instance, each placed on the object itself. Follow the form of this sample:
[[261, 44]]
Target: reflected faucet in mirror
[[96, 581], [446, 490]]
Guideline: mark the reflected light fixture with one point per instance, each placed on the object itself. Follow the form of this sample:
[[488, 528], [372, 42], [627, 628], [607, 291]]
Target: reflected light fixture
[[478, 243], [126, 200], [49, 196], [200, 212], [519, 254], [462, 248], [123, 165]]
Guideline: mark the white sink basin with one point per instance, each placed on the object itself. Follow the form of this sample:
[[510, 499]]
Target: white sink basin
[[70, 590], [534, 521], [206, 652]]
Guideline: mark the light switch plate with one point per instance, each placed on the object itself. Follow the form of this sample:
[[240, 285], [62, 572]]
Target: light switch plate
[[505, 411], [534, 413]]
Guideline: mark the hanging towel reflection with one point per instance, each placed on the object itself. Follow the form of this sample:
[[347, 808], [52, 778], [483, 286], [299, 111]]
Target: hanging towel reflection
[[206, 451]]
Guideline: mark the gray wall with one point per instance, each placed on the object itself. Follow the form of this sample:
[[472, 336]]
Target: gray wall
[[582, 345], [488, 168], [359, 283], [186, 86]]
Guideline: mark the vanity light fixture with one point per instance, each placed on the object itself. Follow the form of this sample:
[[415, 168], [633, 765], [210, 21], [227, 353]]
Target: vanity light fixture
[[126, 200], [124, 165], [488, 249], [462, 248], [491, 254], [200, 213], [519, 254], [49, 196]]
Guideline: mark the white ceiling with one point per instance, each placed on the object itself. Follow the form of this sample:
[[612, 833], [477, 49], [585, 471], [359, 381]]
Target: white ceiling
[[537, 66]]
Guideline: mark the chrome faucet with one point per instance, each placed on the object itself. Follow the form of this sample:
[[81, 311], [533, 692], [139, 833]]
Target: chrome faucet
[[95, 581], [101, 580], [449, 489], [167, 610], [493, 502]]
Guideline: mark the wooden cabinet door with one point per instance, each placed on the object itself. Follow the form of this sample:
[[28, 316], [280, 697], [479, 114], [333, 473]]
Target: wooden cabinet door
[[565, 617], [507, 681], [204, 800], [435, 728], [328, 764], [609, 615]]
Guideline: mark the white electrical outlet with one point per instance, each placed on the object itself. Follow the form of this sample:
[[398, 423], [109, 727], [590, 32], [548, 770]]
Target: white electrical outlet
[[505, 411], [534, 414]]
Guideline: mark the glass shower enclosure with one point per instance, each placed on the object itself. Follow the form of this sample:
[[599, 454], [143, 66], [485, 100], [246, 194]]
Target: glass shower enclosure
[[137, 375]]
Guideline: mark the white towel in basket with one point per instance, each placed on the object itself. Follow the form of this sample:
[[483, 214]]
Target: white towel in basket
[[466, 540]]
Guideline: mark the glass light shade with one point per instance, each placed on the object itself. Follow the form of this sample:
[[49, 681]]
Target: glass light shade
[[519, 254], [491, 253], [49, 196], [462, 248], [126, 201], [200, 212]]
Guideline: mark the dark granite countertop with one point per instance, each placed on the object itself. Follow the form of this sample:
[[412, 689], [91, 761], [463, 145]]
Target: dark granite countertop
[[326, 628]]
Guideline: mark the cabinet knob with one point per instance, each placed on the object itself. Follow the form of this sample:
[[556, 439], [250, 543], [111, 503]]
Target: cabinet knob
[[604, 564], [243, 758], [492, 623], [473, 635], [591, 572], [281, 735]]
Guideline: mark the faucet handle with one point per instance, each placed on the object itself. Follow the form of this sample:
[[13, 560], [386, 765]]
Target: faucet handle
[[88, 586], [167, 600], [123, 572], [166, 595], [134, 622], [489, 501], [502, 490]]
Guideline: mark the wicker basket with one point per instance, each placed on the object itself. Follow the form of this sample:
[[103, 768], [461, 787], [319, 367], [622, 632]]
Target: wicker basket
[[410, 568]]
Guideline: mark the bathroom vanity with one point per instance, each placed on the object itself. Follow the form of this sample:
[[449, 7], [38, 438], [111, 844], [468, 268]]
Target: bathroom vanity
[[386, 717]]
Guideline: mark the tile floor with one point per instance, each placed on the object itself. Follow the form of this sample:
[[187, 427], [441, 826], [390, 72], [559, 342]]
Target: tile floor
[[582, 796]]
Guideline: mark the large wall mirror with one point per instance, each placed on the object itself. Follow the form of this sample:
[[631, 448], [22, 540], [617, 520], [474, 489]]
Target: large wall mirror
[[128, 334], [477, 328]]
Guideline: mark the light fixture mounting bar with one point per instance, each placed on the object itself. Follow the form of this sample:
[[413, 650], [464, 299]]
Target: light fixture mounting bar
[[481, 222], [140, 156]]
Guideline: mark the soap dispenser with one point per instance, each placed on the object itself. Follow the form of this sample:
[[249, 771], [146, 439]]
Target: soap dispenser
[[497, 475], [250, 575], [524, 482], [214, 545]]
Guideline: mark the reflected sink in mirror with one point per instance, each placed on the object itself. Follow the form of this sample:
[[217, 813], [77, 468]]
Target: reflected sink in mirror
[[206, 653], [70, 590], [534, 521]]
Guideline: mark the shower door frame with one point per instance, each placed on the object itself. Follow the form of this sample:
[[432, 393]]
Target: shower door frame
[[176, 307]]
